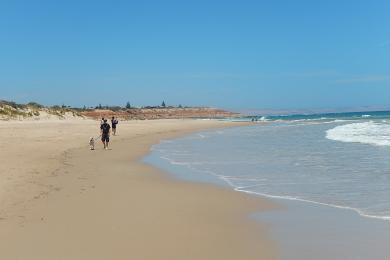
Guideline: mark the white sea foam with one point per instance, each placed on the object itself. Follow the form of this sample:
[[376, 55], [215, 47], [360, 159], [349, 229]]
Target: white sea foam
[[248, 162], [358, 211], [365, 132]]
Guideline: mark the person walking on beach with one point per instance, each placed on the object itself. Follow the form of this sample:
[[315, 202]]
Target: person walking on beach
[[114, 122], [105, 132], [102, 121]]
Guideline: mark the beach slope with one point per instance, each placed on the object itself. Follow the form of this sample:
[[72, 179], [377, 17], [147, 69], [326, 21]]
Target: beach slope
[[61, 201]]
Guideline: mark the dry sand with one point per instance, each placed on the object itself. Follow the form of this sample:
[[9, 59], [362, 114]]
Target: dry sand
[[58, 200]]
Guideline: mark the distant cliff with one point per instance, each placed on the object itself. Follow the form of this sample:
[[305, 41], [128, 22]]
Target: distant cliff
[[34, 111], [161, 113]]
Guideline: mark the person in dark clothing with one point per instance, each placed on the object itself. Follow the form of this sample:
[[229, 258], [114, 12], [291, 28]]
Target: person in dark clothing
[[105, 132], [114, 122]]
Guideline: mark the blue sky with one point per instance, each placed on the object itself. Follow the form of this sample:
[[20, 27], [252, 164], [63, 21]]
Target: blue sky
[[230, 54]]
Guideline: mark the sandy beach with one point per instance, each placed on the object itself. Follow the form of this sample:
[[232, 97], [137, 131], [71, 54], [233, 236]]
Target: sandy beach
[[59, 200]]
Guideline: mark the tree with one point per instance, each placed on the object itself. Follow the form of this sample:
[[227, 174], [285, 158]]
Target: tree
[[100, 106], [128, 105], [180, 106], [163, 104], [84, 108], [34, 104]]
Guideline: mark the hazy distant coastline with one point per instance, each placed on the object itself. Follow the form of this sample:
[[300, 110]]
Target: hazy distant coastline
[[278, 112]]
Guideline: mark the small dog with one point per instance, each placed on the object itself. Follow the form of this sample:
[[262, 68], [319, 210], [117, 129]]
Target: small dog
[[92, 143]]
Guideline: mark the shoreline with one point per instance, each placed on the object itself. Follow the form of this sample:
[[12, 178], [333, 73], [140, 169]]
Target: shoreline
[[302, 229], [108, 204]]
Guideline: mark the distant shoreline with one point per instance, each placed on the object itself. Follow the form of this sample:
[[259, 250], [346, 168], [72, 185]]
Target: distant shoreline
[[34, 111]]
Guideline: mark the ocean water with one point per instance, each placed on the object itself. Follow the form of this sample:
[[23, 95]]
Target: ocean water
[[341, 161]]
